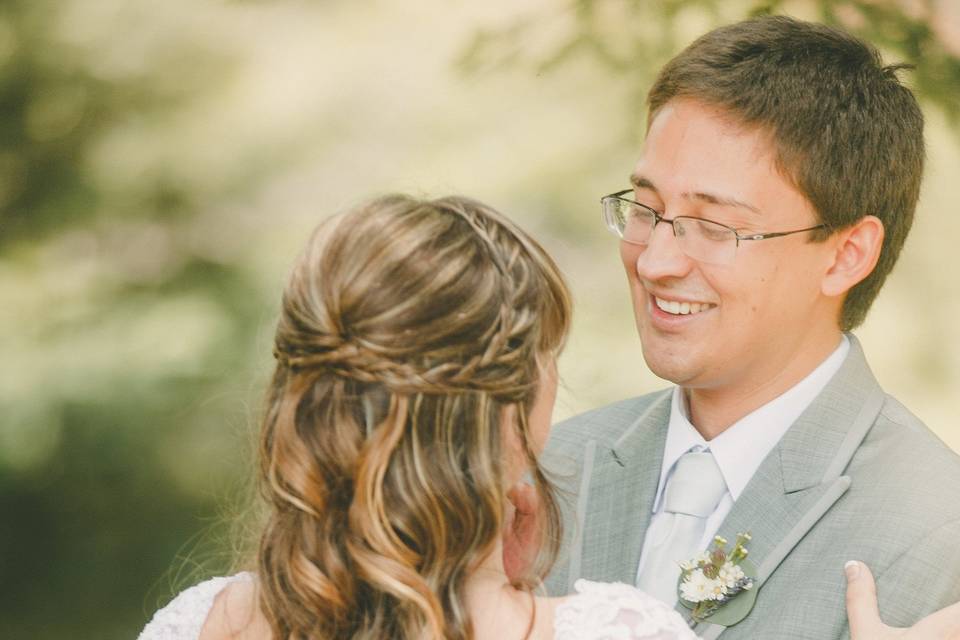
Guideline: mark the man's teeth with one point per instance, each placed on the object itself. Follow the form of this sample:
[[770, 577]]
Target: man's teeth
[[682, 308]]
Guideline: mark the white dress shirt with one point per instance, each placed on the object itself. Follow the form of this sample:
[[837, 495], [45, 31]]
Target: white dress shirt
[[740, 449]]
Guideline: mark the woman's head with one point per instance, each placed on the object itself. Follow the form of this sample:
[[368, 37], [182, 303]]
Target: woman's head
[[411, 344]]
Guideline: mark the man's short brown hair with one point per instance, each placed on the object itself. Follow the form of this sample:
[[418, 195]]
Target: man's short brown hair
[[845, 131]]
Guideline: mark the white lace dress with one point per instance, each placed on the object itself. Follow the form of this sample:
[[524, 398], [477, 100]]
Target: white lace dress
[[616, 611], [597, 611]]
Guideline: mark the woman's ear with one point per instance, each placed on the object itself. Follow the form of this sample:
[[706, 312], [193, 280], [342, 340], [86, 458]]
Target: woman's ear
[[857, 249]]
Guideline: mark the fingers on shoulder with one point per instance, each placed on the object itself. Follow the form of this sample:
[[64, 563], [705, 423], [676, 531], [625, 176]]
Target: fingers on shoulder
[[862, 610]]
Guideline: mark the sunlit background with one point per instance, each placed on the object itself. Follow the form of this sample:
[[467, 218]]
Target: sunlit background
[[161, 163]]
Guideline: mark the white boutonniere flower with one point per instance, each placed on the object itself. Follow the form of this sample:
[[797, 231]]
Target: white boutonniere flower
[[711, 582]]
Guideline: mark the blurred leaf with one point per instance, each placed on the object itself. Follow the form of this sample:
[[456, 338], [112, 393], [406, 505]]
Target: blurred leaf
[[633, 39]]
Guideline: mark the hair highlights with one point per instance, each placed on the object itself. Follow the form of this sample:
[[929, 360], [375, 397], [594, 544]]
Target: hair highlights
[[408, 327]]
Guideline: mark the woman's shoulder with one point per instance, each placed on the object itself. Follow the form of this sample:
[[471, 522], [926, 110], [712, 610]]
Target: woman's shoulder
[[213, 607], [615, 610]]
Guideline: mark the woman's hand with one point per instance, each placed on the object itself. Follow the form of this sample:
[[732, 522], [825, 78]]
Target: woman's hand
[[864, 616]]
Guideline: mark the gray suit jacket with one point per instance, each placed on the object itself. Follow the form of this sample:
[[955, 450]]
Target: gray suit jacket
[[856, 477]]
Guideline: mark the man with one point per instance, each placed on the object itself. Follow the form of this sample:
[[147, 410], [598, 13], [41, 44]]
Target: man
[[774, 191]]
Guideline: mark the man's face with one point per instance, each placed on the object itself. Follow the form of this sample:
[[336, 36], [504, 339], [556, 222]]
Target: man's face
[[757, 313]]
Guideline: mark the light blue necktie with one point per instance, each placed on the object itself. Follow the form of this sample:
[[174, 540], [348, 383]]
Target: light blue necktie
[[692, 494]]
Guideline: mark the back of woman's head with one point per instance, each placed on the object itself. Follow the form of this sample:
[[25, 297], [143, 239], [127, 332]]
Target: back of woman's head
[[408, 329]]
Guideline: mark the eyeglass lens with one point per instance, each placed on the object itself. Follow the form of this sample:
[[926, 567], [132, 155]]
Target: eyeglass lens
[[700, 239]]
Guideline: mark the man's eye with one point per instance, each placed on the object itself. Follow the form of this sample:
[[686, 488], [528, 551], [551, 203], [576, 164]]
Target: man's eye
[[713, 231]]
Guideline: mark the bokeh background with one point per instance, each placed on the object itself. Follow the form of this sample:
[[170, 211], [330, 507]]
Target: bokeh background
[[161, 163]]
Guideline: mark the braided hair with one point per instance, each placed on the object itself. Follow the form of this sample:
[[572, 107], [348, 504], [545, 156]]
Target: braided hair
[[408, 327]]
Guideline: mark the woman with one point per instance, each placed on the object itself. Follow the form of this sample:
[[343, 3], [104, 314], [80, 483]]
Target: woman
[[414, 384]]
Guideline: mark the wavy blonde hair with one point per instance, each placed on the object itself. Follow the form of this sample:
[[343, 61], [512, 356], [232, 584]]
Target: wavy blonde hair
[[408, 327]]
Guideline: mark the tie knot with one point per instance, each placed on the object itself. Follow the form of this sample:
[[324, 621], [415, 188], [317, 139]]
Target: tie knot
[[696, 485]]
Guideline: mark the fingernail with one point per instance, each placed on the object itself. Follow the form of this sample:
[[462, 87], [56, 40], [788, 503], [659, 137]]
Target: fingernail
[[852, 569]]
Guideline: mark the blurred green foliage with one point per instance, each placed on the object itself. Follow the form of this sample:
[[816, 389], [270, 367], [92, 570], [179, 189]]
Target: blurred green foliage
[[131, 314], [93, 516], [635, 38]]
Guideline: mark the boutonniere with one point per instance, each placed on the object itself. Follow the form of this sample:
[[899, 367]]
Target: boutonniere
[[718, 585]]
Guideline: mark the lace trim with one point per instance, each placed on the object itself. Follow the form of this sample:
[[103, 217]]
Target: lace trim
[[603, 611], [598, 611], [184, 617]]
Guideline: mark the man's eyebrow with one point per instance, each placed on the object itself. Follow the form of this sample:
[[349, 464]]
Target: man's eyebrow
[[641, 182], [721, 200]]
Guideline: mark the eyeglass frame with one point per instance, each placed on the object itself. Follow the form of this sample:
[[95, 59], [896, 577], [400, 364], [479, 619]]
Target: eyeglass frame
[[658, 218]]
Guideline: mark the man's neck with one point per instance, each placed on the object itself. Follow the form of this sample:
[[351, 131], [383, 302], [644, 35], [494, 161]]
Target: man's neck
[[714, 410]]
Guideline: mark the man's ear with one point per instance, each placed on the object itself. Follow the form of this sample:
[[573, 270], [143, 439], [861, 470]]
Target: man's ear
[[857, 249]]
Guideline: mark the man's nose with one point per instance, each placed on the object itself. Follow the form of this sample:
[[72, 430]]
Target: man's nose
[[663, 257]]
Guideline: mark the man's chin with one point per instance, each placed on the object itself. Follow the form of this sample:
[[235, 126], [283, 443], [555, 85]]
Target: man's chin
[[669, 365]]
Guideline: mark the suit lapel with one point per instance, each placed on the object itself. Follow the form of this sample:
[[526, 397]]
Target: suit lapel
[[622, 486], [802, 477]]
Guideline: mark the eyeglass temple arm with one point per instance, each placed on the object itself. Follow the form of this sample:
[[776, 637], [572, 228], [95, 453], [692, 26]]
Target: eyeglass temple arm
[[778, 234]]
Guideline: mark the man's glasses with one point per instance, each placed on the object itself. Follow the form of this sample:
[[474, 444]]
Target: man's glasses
[[703, 240]]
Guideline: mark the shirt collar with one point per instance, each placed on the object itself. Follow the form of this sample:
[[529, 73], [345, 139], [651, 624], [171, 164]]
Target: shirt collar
[[741, 448]]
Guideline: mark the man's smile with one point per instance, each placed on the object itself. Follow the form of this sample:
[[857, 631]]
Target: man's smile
[[681, 307]]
